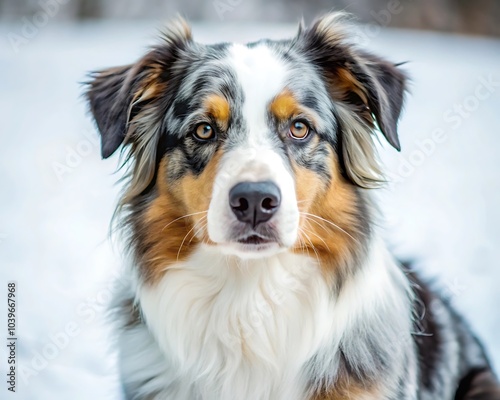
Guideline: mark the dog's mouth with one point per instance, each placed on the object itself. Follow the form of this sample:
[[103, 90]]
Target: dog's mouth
[[248, 243], [254, 245], [255, 240]]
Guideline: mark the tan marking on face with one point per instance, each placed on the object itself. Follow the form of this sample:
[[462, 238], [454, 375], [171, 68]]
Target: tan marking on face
[[308, 186], [284, 106], [328, 214], [175, 221], [196, 191], [219, 108]]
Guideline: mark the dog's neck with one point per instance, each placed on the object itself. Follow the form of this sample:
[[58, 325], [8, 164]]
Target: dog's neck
[[263, 328]]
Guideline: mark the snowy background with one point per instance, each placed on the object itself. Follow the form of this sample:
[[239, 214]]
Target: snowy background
[[57, 195]]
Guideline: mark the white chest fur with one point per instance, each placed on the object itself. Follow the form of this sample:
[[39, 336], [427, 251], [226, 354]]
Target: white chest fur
[[228, 327], [240, 327]]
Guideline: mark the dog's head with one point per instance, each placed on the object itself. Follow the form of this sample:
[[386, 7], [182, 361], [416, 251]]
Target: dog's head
[[249, 149]]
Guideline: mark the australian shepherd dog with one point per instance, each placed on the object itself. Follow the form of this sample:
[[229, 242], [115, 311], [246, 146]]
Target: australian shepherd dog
[[256, 270]]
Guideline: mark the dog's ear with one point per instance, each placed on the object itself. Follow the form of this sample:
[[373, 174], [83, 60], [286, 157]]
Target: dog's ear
[[109, 96], [117, 95], [385, 86], [371, 86], [366, 90]]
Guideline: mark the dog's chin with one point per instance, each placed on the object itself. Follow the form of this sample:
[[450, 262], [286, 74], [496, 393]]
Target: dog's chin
[[251, 247]]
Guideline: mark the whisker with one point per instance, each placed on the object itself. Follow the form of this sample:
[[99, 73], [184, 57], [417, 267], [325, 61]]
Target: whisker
[[184, 216], [331, 223], [198, 231], [303, 246], [185, 237], [315, 234], [312, 245]]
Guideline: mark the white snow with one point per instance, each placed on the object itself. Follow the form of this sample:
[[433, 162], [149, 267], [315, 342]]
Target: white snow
[[54, 228]]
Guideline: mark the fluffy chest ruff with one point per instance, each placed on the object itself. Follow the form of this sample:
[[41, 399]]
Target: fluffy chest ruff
[[240, 327], [266, 329]]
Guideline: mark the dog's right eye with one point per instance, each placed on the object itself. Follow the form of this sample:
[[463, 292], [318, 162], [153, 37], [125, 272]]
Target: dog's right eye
[[299, 130], [204, 132]]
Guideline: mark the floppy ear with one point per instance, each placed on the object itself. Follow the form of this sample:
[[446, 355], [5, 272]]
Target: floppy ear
[[371, 86], [366, 90], [118, 95], [385, 94], [109, 96]]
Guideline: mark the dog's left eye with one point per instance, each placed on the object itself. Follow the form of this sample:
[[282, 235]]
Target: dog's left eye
[[299, 130], [204, 132]]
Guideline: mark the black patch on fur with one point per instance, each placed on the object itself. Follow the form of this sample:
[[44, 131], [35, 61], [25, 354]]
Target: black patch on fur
[[338, 145], [109, 96], [478, 381], [427, 336], [197, 162], [166, 142], [310, 100], [132, 313], [393, 82], [478, 384], [314, 159], [182, 108]]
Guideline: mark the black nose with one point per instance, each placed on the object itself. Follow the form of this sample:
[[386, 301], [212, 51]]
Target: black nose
[[254, 202]]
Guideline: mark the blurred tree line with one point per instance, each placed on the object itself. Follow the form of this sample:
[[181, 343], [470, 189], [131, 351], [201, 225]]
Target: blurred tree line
[[459, 16]]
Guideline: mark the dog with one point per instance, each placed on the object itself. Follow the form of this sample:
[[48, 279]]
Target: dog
[[256, 270]]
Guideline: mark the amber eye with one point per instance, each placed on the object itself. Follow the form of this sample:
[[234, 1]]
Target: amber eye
[[299, 130], [204, 132]]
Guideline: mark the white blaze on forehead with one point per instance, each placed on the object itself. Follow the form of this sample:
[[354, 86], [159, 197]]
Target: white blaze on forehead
[[261, 75]]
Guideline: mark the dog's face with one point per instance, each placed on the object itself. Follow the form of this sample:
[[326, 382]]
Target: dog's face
[[249, 149]]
